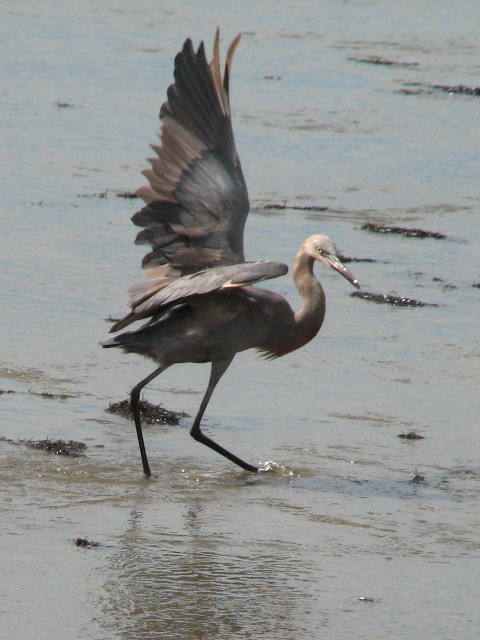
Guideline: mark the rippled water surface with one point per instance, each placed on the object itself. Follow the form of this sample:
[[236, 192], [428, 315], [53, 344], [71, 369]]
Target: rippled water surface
[[337, 541]]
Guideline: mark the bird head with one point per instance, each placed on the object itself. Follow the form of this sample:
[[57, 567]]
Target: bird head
[[321, 248]]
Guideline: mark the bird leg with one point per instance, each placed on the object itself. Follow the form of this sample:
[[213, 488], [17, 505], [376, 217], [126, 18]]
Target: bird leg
[[135, 404], [218, 369]]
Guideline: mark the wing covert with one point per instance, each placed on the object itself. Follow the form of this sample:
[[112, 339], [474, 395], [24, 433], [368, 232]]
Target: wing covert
[[152, 296]]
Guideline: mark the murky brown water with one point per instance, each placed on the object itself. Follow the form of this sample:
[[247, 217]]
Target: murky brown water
[[202, 550]]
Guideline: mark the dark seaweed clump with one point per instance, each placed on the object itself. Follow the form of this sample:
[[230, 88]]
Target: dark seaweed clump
[[150, 413], [418, 478], [348, 259], [458, 89], [384, 61], [59, 447], [366, 599], [311, 207], [394, 301], [404, 231], [85, 543], [51, 396], [410, 435], [129, 195]]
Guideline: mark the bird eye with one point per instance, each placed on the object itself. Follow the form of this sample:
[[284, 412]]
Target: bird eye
[[320, 251]]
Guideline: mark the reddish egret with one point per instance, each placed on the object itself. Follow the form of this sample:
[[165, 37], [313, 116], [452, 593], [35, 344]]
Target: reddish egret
[[198, 297]]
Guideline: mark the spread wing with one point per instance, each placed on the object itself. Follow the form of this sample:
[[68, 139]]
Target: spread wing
[[197, 284], [197, 200]]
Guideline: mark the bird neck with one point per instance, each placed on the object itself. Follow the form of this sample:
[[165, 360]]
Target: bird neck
[[309, 317]]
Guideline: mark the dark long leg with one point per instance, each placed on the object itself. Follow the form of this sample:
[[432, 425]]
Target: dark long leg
[[218, 369], [135, 404]]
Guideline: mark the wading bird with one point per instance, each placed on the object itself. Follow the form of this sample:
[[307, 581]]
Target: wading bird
[[198, 297]]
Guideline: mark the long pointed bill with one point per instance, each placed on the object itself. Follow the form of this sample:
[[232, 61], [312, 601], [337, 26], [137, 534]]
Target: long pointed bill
[[338, 265]]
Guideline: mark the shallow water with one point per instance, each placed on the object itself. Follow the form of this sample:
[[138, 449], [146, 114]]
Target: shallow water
[[202, 550]]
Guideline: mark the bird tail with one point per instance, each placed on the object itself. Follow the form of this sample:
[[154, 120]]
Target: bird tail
[[118, 340]]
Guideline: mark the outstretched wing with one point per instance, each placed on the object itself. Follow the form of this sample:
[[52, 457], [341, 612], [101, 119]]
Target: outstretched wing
[[197, 200], [197, 284]]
